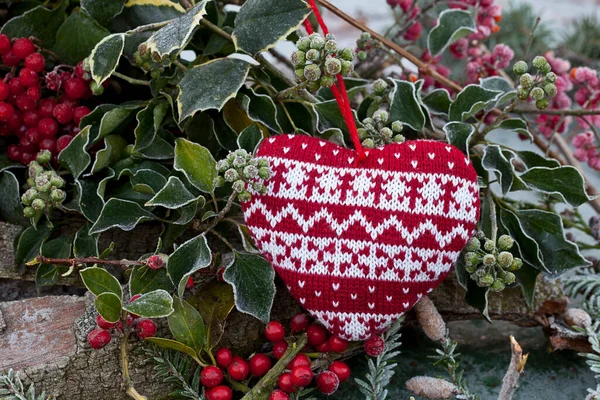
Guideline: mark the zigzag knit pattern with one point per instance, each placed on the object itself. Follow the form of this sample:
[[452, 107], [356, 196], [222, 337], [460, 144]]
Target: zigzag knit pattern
[[358, 246]]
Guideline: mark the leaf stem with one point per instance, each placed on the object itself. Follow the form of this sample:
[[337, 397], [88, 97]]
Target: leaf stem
[[130, 389], [131, 80]]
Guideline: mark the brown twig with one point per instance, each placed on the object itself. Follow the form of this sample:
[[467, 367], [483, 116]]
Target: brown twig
[[577, 113], [85, 260], [510, 383]]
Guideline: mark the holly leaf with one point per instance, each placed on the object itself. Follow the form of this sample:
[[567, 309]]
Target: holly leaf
[[452, 24], [103, 11], [105, 57], [85, 245], [173, 195], [495, 161], [98, 280], [190, 257], [77, 37], [175, 36], [260, 24], [252, 278], [144, 12], [47, 274], [214, 302], [210, 85], [144, 280], [186, 325], [156, 304], [196, 163], [471, 100], [75, 157], [174, 345], [108, 306], [38, 22], [122, 214], [30, 243], [438, 102], [405, 105], [459, 134], [565, 182]]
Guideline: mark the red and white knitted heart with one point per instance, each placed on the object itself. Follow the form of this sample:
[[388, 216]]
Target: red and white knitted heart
[[359, 245]]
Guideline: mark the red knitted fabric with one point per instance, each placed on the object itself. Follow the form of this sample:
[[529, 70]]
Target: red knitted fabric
[[358, 245]]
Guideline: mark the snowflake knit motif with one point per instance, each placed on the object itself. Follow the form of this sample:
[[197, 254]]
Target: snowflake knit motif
[[359, 245]]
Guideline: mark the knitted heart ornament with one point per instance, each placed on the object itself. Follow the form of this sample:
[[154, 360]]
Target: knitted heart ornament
[[359, 245]]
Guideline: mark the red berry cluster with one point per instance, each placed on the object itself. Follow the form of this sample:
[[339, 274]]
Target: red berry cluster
[[40, 109], [101, 336]]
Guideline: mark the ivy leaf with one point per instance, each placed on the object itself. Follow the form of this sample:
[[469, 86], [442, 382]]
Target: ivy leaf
[[75, 157], [90, 195], [103, 11], [156, 304], [566, 182], [196, 163], [252, 278], [174, 345], [122, 214], [108, 306], [98, 280], [77, 37], [260, 108], [47, 274], [471, 100], [173, 195], [501, 85], [250, 138], [495, 161], [274, 19], [39, 22], [214, 302], [478, 297], [176, 34], [527, 278], [105, 57], [147, 181], [451, 25], [528, 247], [210, 85], [532, 159], [11, 209], [144, 280], [354, 86], [438, 102], [149, 121], [113, 120], [459, 134], [405, 105], [190, 257], [85, 245], [186, 325], [329, 116], [516, 125], [113, 151], [30, 243], [546, 228]]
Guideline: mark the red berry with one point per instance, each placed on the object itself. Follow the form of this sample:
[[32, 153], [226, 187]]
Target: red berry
[[62, 142], [211, 376], [219, 393], [220, 272], [68, 101], [301, 360], [48, 144], [63, 113], [104, 324], [34, 93], [75, 88], [4, 90], [35, 62], [327, 382], [24, 103], [275, 331], [189, 285], [341, 369], [338, 345], [10, 59], [238, 369], [79, 113], [6, 111], [15, 87], [26, 158], [374, 346], [15, 123], [299, 322], [316, 335], [153, 262], [279, 395], [48, 127], [28, 77], [31, 118], [260, 364], [14, 153], [285, 383], [324, 347], [5, 130], [33, 135], [223, 357], [5, 44], [80, 72], [26, 145], [22, 47], [279, 349], [98, 338], [46, 107], [302, 376], [145, 328]]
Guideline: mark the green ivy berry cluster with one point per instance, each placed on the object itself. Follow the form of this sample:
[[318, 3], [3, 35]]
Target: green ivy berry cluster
[[364, 44], [319, 59], [375, 131], [44, 188], [491, 264], [245, 173], [378, 96], [152, 61], [540, 86]]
